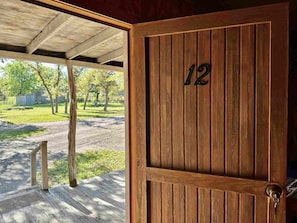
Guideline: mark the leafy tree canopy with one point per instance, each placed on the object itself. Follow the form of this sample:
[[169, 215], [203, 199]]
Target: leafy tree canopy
[[17, 78]]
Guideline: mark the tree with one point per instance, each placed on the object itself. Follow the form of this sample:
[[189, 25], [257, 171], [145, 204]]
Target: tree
[[106, 82], [100, 82], [85, 84], [118, 92], [77, 72], [58, 82], [46, 75], [53, 80], [17, 78]]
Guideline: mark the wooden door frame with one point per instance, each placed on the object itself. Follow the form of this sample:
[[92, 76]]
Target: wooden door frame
[[135, 85]]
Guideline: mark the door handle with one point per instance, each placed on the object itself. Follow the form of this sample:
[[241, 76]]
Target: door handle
[[274, 193]]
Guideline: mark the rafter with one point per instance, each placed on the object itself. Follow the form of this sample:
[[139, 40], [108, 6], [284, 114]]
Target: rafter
[[55, 60], [101, 37], [49, 30], [110, 56]]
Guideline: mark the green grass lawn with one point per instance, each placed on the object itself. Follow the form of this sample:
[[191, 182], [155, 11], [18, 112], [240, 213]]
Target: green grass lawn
[[19, 133], [89, 164], [42, 113]]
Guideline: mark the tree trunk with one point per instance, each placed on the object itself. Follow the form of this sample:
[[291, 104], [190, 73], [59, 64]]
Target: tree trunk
[[66, 103], [57, 103], [97, 98], [57, 87], [86, 100], [52, 104], [106, 99]]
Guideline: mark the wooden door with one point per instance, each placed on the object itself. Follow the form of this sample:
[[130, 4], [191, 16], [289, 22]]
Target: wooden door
[[207, 152]]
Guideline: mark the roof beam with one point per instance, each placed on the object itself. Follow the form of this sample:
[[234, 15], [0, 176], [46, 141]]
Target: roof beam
[[48, 31], [110, 56], [101, 37], [54, 60]]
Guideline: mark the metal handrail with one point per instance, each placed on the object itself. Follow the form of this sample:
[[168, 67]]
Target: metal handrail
[[44, 167]]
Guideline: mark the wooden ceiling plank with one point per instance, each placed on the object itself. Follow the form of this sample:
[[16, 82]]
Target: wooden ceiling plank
[[100, 38], [55, 60], [49, 30], [110, 56]]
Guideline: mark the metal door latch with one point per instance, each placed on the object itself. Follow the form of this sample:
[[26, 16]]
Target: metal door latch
[[274, 192]]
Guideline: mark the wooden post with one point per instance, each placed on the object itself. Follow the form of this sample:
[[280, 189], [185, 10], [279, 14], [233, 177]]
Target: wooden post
[[72, 127], [44, 167], [33, 168]]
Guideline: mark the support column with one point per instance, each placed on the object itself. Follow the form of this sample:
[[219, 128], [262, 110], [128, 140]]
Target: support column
[[72, 127]]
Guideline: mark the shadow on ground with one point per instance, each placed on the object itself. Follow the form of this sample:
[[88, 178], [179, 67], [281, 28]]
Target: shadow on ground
[[15, 164]]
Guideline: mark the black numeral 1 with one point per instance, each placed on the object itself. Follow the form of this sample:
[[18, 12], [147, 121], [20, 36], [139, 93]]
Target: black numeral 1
[[188, 80]]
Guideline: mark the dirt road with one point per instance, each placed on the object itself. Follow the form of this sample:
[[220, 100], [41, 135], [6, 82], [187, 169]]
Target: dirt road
[[93, 133]]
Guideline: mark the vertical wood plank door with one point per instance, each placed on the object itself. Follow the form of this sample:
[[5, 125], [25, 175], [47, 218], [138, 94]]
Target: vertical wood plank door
[[208, 118]]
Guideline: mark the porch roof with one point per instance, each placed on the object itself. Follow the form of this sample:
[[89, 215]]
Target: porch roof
[[32, 32]]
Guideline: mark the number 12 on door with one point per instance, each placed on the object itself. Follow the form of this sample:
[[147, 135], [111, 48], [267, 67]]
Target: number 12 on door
[[199, 81]]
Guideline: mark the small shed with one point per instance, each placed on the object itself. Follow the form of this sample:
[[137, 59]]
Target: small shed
[[28, 99]]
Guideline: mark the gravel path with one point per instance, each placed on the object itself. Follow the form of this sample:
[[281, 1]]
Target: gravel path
[[95, 133]]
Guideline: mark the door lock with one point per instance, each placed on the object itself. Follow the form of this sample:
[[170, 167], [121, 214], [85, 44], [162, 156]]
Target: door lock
[[274, 192]]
